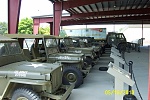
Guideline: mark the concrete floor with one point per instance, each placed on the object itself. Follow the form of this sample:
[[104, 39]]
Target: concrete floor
[[97, 82]]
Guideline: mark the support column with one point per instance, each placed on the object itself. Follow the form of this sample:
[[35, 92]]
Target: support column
[[57, 18], [149, 76], [142, 33], [51, 28], [35, 28], [13, 15], [36, 24]]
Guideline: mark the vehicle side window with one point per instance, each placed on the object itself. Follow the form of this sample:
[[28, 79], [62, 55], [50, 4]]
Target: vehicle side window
[[3, 49], [51, 43]]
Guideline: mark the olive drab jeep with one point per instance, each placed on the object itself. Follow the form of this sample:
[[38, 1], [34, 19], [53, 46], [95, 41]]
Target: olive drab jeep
[[117, 40], [87, 42], [113, 38], [45, 49], [23, 80], [91, 56]]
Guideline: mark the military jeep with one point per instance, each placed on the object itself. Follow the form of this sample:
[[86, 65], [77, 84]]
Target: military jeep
[[45, 49], [23, 80], [113, 39], [67, 44], [118, 41], [87, 42]]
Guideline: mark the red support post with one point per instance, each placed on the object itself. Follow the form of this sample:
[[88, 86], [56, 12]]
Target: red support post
[[13, 15], [35, 28], [51, 28], [57, 17], [36, 24], [149, 77]]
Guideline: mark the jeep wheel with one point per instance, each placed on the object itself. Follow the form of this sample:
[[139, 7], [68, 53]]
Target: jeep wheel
[[24, 94], [71, 75]]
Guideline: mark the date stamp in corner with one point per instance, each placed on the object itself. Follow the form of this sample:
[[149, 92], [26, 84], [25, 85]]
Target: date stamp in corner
[[118, 92]]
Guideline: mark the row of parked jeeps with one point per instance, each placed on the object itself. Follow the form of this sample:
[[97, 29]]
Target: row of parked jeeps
[[41, 67]]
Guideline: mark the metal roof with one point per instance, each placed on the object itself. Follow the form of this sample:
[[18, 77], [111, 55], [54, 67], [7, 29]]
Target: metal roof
[[106, 11]]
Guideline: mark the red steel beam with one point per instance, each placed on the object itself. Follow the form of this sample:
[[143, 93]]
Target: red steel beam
[[13, 15], [36, 25], [149, 76], [102, 13], [51, 28], [76, 3], [43, 19], [57, 17], [87, 21]]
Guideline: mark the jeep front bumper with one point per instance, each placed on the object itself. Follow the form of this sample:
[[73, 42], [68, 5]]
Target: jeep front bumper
[[64, 96]]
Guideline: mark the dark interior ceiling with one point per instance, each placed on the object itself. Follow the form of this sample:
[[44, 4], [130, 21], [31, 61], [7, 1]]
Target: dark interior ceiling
[[106, 11]]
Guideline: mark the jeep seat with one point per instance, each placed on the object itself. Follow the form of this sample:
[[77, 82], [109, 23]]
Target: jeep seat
[[36, 54], [28, 57]]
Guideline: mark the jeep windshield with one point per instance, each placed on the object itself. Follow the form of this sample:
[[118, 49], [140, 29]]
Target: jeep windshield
[[51, 46], [68, 42], [9, 48], [51, 43]]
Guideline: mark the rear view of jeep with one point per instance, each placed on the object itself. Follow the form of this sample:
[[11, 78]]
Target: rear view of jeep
[[23, 80]]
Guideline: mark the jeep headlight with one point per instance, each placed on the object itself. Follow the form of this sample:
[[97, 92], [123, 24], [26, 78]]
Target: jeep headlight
[[81, 58], [47, 77]]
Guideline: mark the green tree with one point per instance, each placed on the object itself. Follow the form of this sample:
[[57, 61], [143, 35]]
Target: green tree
[[3, 27], [25, 26], [44, 30], [62, 33]]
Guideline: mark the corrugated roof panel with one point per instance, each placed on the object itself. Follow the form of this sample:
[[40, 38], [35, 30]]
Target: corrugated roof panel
[[112, 5], [133, 7], [105, 4], [83, 9], [88, 8], [94, 7], [99, 5], [73, 11], [77, 10]]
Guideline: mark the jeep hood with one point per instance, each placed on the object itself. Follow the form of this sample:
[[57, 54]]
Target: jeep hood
[[31, 70]]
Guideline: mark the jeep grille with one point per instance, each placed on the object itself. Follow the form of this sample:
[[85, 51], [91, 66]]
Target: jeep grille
[[56, 79]]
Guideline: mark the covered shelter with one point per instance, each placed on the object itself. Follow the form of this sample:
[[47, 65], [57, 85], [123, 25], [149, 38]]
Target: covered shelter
[[84, 12]]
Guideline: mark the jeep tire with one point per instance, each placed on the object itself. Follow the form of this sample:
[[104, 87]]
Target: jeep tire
[[71, 75], [24, 94]]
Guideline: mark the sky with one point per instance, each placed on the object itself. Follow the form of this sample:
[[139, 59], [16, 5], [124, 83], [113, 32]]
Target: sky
[[29, 8]]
